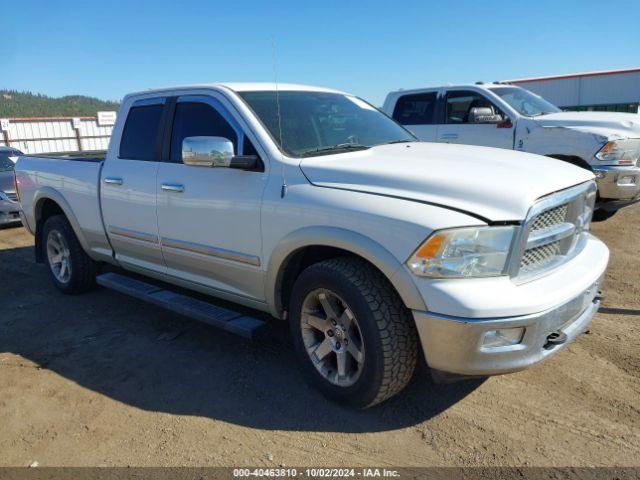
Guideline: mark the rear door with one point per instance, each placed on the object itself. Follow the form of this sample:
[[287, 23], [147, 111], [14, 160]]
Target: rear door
[[418, 112], [128, 188], [460, 125], [209, 217]]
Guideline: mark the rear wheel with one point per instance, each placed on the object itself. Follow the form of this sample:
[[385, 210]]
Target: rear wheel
[[71, 269], [356, 340]]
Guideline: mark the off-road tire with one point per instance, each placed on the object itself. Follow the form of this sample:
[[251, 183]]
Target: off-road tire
[[389, 335], [83, 268]]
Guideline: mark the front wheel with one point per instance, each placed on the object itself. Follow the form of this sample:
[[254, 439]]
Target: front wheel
[[71, 269], [355, 338]]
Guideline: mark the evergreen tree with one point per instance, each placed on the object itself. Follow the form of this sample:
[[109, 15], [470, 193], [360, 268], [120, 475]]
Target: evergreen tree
[[28, 104]]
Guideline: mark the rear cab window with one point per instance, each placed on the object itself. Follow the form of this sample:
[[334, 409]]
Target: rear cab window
[[416, 109], [141, 133]]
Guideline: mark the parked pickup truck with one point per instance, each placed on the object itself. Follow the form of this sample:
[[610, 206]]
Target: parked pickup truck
[[506, 116], [314, 206]]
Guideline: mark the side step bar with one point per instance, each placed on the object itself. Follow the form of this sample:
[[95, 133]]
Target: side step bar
[[228, 320]]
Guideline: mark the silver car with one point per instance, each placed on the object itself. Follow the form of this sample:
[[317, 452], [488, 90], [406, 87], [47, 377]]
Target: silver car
[[9, 207]]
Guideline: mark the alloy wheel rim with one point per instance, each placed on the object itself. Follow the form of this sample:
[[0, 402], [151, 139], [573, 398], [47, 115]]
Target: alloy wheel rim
[[332, 337], [59, 256]]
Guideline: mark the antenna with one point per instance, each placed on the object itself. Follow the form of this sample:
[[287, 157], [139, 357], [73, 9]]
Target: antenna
[[283, 191]]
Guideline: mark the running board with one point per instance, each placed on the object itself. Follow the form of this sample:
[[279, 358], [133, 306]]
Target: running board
[[228, 320]]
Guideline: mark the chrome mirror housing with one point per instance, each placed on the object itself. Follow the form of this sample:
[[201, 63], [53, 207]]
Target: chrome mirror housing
[[207, 151], [484, 115]]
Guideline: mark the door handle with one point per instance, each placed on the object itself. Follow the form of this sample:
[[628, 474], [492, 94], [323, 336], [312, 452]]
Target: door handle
[[113, 181], [172, 187], [449, 135]]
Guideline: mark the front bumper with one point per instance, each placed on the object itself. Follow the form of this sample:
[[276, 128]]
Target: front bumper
[[9, 212], [461, 312], [618, 183], [455, 345], [7, 218]]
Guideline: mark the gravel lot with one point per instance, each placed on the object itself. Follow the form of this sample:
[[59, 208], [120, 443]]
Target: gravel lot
[[101, 379]]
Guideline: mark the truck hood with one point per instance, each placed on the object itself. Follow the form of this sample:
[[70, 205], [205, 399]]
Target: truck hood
[[609, 124], [491, 183]]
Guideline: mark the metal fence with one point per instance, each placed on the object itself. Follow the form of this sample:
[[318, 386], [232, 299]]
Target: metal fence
[[54, 134]]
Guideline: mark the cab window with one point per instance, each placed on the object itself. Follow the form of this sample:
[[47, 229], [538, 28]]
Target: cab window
[[193, 119], [6, 165], [470, 107], [140, 133], [417, 109]]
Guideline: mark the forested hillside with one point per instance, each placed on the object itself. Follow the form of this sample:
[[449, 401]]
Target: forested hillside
[[27, 104]]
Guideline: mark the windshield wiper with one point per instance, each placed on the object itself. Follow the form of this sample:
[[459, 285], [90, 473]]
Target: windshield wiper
[[408, 140], [336, 148]]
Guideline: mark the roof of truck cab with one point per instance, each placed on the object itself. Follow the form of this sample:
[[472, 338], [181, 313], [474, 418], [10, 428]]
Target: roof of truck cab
[[460, 85], [241, 87], [268, 86]]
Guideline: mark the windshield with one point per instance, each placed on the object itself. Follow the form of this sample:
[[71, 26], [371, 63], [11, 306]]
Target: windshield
[[319, 123], [525, 102], [6, 165]]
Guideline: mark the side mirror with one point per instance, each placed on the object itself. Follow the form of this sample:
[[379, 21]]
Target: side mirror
[[484, 115], [207, 151], [215, 152]]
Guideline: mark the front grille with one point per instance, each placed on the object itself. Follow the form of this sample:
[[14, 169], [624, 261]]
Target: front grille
[[552, 230], [538, 257], [12, 196], [550, 218]]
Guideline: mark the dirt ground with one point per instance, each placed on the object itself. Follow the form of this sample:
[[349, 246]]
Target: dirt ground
[[102, 379]]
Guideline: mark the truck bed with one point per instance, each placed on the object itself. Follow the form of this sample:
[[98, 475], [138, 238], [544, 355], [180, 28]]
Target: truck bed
[[73, 182], [88, 156]]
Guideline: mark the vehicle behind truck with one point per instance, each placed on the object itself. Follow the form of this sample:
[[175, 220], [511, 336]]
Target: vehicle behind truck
[[510, 117], [9, 207], [312, 205]]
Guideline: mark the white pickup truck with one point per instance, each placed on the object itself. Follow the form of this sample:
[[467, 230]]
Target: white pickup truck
[[506, 116], [314, 206]]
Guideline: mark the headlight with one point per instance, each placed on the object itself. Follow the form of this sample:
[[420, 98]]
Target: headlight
[[620, 152], [464, 252]]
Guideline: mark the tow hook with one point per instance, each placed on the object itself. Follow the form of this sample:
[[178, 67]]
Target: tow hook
[[599, 297], [554, 339]]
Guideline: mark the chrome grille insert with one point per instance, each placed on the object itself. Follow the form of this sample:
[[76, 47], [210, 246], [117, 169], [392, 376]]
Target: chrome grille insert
[[550, 218], [538, 257], [12, 196], [554, 231]]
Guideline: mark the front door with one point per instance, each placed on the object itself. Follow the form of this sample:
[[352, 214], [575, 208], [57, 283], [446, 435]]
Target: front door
[[128, 188], [209, 217], [463, 123]]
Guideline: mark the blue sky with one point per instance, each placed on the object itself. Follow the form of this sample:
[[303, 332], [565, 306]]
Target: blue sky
[[109, 48]]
